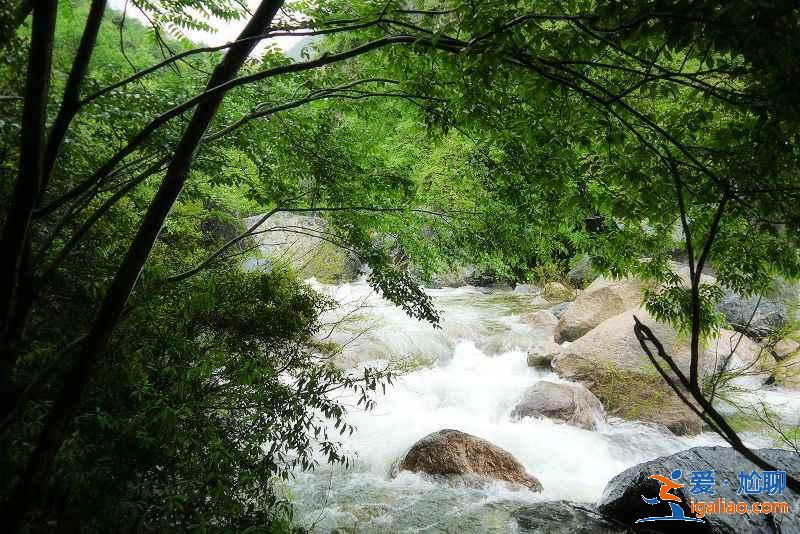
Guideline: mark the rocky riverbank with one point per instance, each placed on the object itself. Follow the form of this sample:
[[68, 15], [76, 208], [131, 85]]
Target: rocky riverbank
[[594, 350]]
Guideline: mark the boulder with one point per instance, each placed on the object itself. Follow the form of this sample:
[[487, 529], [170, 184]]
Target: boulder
[[453, 278], [540, 359], [610, 362], [557, 292], [541, 319], [454, 454], [564, 517], [785, 348], [581, 273], [603, 299], [758, 316], [683, 271], [787, 372], [734, 351], [468, 275], [220, 227], [292, 238], [526, 289], [622, 497], [569, 402]]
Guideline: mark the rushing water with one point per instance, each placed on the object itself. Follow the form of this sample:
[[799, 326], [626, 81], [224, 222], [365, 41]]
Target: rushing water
[[467, 376]]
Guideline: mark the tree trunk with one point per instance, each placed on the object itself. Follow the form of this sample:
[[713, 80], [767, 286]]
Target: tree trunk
[[15, 244], [72, 91], [37, 471]]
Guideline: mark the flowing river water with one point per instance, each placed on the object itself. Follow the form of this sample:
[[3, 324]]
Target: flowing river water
[[465, 376]]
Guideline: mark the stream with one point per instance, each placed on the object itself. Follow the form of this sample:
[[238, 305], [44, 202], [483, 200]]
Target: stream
[[467, 375]]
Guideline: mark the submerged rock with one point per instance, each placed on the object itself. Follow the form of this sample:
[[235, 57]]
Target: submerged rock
[[603, 299], [622, 497], [454, 454], [571, 403]]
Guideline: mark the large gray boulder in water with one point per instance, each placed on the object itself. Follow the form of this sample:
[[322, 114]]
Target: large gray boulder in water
[[622, 497], [569, 402], [457, 455]]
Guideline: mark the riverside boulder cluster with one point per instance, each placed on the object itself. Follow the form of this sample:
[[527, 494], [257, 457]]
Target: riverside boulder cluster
[[602, 370]]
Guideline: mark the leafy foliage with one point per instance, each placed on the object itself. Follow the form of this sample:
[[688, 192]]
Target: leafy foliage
[[511, 137]]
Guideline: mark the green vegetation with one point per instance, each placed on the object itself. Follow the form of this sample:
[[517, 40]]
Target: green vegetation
[[630, 395], [149, 383]]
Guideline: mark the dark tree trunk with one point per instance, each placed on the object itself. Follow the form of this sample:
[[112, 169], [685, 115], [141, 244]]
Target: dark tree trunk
[[33, 479], [72, 91], [15, 245]]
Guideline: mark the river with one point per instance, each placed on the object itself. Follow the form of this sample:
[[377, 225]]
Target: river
[[467, 375]]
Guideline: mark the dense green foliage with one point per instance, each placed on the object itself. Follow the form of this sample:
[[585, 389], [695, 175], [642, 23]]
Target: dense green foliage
[[629, 132]]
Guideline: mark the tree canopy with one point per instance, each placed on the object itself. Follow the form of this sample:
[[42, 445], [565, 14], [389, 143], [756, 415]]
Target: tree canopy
[[146, 378]]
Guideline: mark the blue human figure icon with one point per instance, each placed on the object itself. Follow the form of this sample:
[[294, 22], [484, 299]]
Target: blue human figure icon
[[665, 495]]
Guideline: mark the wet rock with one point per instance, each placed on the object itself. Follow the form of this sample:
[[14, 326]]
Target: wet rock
[[603, 299], [622, 497], [563, 517], [451, 453], [571, 403], [557, 292], [559, 309], [541, 319], [540, 360], [611, 363]]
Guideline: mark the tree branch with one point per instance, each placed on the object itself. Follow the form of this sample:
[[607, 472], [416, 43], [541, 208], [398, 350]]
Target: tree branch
[[16, 230], [720, 425], [70, 101]]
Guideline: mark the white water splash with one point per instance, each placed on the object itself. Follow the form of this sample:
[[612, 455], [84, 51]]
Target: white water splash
[[477, 372]]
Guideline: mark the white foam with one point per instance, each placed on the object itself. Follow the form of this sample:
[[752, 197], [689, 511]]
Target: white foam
[[473, 389]]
